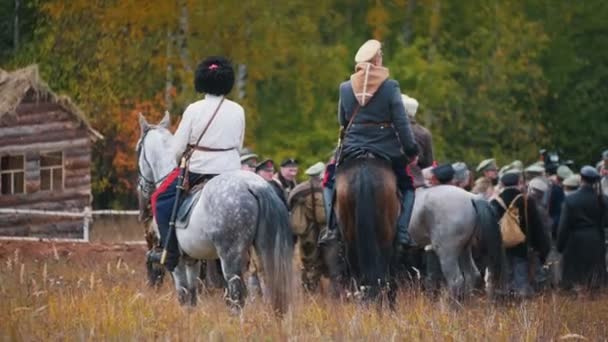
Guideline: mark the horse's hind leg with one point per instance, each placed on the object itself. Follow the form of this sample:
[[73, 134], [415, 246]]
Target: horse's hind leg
[[232, 265], [469, 270], [448, 258]]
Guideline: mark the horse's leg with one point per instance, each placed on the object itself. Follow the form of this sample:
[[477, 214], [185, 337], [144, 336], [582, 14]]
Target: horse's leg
[[469, 270], [193, 268], [180, 278], [448, 258], [232, 264]]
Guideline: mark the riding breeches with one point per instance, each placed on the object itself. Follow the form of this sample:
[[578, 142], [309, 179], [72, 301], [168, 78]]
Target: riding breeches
[[164, 206]]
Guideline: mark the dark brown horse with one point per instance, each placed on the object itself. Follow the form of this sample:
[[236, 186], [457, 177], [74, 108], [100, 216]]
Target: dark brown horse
[[368, 208]]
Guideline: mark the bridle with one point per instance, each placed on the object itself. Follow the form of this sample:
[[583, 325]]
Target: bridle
[[145, 185]]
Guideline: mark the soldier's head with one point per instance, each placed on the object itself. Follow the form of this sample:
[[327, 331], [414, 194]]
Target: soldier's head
[[589, 175], [370, 52], [289, 169], [265, 169], [249, 160], [537, 187], [571, 184], [511, 178], [316, 170], [214, 76], [462, 176], [563, 172], [489, 169], [442, 174]]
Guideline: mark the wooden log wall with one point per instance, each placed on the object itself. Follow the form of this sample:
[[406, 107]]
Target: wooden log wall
[[40, 127]]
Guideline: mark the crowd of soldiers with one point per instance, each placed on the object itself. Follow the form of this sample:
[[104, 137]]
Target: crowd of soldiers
[[553, 214]]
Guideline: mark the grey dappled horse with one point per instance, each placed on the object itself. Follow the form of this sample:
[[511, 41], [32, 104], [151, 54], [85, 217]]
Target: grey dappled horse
[[236, 210], [452, 220]]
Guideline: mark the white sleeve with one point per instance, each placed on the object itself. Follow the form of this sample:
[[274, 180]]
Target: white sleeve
[[182, 135], [243, 123]]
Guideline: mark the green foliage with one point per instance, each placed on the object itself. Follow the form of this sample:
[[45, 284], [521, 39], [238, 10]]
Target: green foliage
[[493, 78]]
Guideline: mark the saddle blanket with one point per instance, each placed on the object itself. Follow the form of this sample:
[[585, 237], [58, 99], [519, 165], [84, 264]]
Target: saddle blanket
[[185, 209]]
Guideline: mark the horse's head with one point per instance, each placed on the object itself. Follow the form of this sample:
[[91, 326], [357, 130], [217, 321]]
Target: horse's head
[[154, 160]]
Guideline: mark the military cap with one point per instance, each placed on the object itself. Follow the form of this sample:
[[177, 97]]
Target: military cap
[[590, 174], [316, 169], [246, 154], [289, 162], [486, 165], [535, 168], [510, 178], [539, 184], [460, 170], [573, 181], [444, 173], [504, 169], [564, 172], [368, 51], [410, 104], [517, 164], [266, 165]]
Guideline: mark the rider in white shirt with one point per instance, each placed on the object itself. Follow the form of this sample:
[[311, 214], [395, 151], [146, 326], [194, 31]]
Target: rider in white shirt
[[220, 125]]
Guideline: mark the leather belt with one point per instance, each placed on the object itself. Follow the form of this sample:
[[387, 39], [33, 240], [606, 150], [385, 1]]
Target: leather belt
[[210, 149], [371, 124]]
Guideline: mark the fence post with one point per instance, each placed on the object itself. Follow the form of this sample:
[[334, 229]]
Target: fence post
[[88, 217]]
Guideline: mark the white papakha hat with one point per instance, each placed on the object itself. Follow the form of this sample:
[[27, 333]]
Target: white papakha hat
[[410, 104], [368, 51]]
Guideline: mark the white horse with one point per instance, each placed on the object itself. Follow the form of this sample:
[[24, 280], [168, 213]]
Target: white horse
[[236, 210], [452, 221]]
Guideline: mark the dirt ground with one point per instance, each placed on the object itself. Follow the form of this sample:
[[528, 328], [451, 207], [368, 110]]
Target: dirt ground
[[71, 251]]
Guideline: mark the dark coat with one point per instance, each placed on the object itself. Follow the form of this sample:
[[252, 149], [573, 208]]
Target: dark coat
[[556, 199], [276, 186], [532, 227], [424, 139], [581, 237], [381, 126]]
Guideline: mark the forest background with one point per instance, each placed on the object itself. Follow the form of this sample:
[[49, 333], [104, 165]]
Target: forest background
[[493, 78]]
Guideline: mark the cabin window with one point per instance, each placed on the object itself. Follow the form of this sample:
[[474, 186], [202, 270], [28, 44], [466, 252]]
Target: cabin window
[[12, 175], [51, 171]]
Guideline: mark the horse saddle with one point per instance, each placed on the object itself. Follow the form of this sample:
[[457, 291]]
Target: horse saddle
[[185, 209]]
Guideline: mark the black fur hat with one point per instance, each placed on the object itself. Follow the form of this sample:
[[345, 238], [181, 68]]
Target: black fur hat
[[214, 76]]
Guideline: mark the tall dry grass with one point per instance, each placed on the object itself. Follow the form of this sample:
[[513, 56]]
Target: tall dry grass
[[62, 298]]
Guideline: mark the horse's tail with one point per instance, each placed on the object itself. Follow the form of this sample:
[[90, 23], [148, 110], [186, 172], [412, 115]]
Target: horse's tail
[[490, 240], [274, 245], [372, 261]]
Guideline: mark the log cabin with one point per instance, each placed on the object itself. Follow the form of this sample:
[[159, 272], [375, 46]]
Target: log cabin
[[45, 157]]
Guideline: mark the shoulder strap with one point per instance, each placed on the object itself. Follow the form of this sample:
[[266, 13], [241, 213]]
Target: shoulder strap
[[515, 199], [210, 121], [500, 202], [352, 118]]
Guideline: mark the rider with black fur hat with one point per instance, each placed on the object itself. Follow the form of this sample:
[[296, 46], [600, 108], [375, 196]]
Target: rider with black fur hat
[[210, 134]]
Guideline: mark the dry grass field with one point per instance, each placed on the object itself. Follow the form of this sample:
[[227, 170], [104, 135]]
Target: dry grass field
[[98, 292]]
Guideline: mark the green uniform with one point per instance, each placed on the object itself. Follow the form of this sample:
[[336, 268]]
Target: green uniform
[[307, 217]]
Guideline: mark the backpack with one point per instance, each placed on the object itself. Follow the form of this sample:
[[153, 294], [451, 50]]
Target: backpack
[[306, 209], [510, 227]]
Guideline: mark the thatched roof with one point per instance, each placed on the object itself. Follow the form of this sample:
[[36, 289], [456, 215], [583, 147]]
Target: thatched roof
[[16, 84]]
